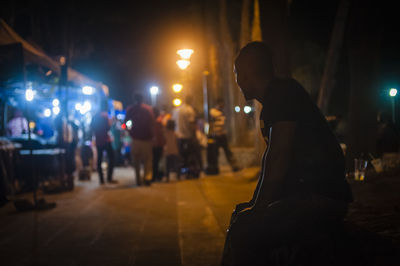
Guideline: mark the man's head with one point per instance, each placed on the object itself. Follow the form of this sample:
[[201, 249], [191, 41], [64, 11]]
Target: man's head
[[254, 69], [137, 98]]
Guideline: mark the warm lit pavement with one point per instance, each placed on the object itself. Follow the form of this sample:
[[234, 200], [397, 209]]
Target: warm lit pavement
[[176, 223]]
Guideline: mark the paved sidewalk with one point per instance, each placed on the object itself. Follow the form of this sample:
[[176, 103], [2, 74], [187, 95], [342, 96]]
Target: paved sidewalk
[[176, 223]]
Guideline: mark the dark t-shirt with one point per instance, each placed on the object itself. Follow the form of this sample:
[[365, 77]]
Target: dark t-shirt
[[142, 120], [317, 164]]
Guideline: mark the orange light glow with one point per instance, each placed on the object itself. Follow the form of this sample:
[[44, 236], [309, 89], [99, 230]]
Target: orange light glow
[[177, 87], [185, 53], [177, 102]]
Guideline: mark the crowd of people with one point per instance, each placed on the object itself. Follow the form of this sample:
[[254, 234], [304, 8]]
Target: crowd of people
[[150, 137]]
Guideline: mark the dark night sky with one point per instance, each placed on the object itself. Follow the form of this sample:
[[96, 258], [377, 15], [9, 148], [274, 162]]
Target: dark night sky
[[131, 45]]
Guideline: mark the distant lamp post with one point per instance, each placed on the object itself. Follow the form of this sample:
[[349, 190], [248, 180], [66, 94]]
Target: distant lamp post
[[177, 88], [392, 94], [247, 109], [183, 63], [177, 102], [185, 53], [153, 92]]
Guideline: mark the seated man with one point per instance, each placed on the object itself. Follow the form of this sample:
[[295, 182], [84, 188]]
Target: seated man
[[302, 185]]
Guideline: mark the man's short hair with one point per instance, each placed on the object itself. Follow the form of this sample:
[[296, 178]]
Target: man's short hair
[[256, 55]]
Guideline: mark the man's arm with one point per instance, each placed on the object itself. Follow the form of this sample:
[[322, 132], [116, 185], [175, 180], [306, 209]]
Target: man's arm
[[277, 160]]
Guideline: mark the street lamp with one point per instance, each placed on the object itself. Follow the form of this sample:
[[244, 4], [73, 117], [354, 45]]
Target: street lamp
[[177, 88], [87, 90], [185, 53], [177, 102], [153, 92], [393, 93], [183, 63]]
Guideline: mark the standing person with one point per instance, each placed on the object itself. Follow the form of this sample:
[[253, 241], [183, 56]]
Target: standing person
[[185, 119], [18, 125], [218, 134], [302, 185], [100, 127], [158, 144], [171, 150], [116, 140], [141, 120]]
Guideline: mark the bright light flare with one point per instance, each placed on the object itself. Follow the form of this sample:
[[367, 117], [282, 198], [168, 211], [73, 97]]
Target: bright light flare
[[129, 124], [177, 88], [56, 102], [237, 109], [86, 107], [47, 112], [183, 64], [29, 95], [393, 92], [247, 109], [87, 90], [154, 90], [56, 110], [177, 102], [185, 53]]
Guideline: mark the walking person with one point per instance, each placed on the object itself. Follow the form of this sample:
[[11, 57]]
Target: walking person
[[302, 185], [185, 119], [171, 151], [220, 139], [158, 145], [141, 120], [100, 127]]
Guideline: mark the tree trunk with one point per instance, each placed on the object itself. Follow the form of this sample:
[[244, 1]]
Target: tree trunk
[[228, 82], [335, 46]]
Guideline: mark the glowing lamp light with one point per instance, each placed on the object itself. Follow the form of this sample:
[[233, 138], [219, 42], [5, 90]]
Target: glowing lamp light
[[247, 109], [177, 102], [237, 109], [47, 112], [177, 88], [185, 53], [123, 126], [86, 107], [29, 95], [78, 106], [154, 90], [56, 110], [393, 92], [56, 102], [183, 64], [129, 124], [87, 90], [32, 125]]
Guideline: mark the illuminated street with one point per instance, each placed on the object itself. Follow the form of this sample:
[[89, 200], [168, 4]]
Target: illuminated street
[[180, 223]]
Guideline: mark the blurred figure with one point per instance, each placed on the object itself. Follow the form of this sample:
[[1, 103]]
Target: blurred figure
[[218, 134], [171, 151], [100, 127], [185, 119], [388, 138], [18, 125], [116, 140], [140, 119], [158, 144], [126, 148]]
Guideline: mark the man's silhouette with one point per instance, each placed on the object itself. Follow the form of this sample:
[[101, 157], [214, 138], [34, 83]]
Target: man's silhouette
[[302, 184]]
